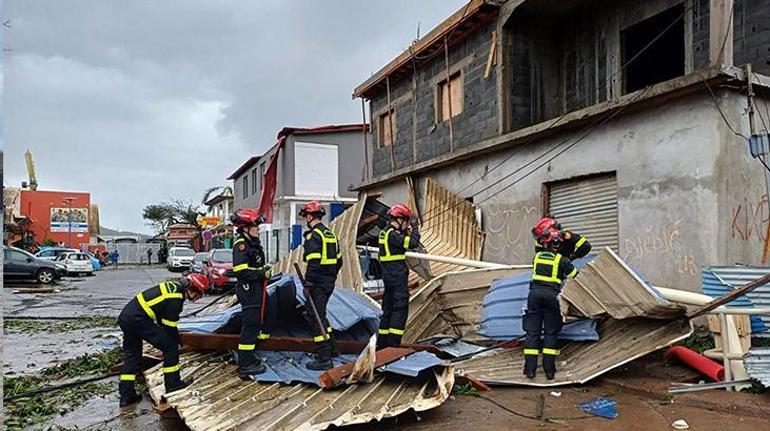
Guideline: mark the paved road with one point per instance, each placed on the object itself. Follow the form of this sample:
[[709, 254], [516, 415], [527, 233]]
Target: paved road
[[104, 294]]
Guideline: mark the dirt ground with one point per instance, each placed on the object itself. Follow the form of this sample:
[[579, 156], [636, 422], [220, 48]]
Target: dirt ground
[[640, 388]]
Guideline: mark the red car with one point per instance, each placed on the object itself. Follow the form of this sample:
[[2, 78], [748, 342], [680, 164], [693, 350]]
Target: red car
[[218, 267]]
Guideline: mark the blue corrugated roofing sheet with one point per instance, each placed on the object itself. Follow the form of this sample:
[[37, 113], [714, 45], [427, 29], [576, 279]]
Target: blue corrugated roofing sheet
[[758, 365], [505, 304], [291, 367], [413, 364], [719, 280]]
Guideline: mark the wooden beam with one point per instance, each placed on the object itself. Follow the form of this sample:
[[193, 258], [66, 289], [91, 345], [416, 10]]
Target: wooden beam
[[730, 296], [335, 376], [221, 342], [466, 379]]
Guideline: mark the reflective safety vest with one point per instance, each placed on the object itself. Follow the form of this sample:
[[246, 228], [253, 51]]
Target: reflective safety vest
[[167, 290], [545, 268], [386, 255], [330, 250]]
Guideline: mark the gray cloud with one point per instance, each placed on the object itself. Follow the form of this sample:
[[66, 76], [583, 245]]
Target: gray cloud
[[143, 101]]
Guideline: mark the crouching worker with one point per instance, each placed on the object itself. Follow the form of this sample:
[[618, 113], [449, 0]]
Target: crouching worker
[[543, 316], [153, 316]]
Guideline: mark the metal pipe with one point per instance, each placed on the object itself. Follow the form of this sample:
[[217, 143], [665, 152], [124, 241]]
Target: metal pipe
[[726, 350], [451, 260], [692, 298]]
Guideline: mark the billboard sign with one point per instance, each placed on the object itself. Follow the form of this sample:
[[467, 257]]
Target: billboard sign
[[69, 220]]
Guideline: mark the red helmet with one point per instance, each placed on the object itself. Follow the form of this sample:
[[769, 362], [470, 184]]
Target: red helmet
[[246, 217], [197, 282], [400, 211], [543, 227], [552, 239], [313, 207]]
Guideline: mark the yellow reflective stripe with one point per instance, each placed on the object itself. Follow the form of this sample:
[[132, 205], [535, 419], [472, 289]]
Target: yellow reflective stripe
[[319, 338], [325, 241], [543, 259], [145, 306], [550, 351], [396, 331], [172, 369], [407, 240], [312, 256], [127, 377], [329, 329], [262, 336], [242, 267], [246, 346], [573, 273], [383, 331], [531, 352], [171, 323], [388, 257], [239, 240], [580, 242]]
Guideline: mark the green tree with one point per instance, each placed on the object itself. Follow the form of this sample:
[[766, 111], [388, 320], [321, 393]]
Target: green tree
[[159, 216]]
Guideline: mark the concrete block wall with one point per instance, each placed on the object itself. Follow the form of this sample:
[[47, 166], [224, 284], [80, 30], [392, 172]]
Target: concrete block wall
[[751, 34], [418, 136]]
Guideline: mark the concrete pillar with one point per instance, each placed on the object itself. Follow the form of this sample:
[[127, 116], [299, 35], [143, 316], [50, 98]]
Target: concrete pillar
[[721, 32]]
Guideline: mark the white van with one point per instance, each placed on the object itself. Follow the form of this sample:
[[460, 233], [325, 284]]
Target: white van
[[179, 258]]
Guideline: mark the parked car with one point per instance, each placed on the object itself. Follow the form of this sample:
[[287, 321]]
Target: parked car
[[77, 263], [51, 253], [179, 258], [20, 265], [219, 269], [197, 263], [94, 261]]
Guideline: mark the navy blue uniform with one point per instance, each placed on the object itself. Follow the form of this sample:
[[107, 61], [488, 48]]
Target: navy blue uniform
[[248, 266], [573, 247], [393, 245]]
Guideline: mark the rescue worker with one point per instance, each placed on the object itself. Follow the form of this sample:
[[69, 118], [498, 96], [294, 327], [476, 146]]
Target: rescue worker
[[251, 271], [398, 237], [543, 316], [324, 260], [153, 316], [574, 246]]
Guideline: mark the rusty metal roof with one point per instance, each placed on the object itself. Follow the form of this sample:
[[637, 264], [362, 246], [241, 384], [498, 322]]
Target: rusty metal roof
[[219, 400]]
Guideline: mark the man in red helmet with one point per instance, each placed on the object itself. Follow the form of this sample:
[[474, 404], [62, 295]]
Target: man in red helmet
[[543, 316], [324, 260], [573, 245], [153, 316], [398, 237], [250, 269]]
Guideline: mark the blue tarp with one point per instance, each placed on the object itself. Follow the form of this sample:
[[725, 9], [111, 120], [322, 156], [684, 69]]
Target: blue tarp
[[602, 407]]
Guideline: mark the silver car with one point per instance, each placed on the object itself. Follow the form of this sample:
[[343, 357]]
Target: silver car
[[197, 263]]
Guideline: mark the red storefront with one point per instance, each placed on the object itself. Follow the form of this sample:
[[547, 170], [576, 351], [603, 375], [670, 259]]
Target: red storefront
[[58, 216]]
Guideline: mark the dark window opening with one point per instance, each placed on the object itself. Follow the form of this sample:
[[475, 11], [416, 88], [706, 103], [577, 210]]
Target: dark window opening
[[663, 59]]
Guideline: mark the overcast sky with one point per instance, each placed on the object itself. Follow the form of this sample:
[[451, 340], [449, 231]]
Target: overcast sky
[[144, 100]]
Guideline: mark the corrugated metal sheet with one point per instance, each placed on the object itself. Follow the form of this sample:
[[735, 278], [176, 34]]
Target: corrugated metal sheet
[[608, 287], [451, 304], [412, 365], [758, 365], [219, 400], [588, 206], [450, 228], [719, 280], [346, 227]]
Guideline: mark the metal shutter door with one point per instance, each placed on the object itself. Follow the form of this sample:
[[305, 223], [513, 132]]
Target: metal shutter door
[[589, 207]]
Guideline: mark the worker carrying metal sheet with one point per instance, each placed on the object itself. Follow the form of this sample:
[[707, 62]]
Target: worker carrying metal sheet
[[399, 236], [153, 316], [252, 273], [574, 246], [324, 259], [543, 317]]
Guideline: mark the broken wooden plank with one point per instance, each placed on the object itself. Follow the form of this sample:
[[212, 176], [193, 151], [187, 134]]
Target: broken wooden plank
[[492, 54], [220, 342], [468, 379], [730, 296], [333, 377]]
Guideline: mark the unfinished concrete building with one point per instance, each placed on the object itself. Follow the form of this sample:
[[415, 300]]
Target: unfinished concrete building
[[628, 120]]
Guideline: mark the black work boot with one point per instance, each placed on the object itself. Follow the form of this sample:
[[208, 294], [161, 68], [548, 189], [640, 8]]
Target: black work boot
[[335, 353], [173, 383], [323, 359], [249, 365], [530, 366], [383, 341], [549, 366], [128, 394]]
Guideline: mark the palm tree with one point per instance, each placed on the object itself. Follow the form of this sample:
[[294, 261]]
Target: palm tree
[[209, 192]]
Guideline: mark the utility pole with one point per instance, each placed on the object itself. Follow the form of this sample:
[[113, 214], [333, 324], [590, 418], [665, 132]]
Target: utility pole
[[68, 202]]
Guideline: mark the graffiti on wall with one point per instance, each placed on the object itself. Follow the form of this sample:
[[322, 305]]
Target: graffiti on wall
[[750, 219], [508, 228], [656, 242]]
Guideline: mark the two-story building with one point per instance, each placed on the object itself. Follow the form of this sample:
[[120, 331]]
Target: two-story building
[[319, 163], [628, 120]]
